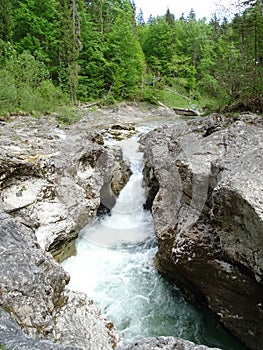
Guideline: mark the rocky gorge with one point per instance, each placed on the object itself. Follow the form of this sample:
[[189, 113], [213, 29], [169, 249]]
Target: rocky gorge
[[203, 180], [205, 190], [52, 183]]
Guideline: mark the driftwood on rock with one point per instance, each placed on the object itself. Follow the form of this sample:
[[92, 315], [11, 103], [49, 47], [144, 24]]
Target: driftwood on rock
[[89, 105], [186, 112]]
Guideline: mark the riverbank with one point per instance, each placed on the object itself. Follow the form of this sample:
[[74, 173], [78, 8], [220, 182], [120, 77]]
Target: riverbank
[[204, 181], [53, 180]]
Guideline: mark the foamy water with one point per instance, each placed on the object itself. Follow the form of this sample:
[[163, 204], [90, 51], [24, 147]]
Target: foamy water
[[114, 266]]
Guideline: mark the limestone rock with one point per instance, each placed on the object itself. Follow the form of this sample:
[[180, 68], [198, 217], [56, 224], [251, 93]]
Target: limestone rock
[[32, 283], [204, 183], [51, 179], [120, 131], [32, 290], [79, 323], [12, 337], [164, 343]]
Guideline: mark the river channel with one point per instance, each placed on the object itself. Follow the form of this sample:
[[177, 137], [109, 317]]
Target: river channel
[[114, 266]]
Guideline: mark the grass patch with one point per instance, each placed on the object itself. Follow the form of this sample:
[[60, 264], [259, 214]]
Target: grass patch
[[172, 98], [180, 98], [67, 115]]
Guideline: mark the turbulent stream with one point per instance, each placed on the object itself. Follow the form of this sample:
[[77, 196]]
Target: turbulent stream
[[114, 266]]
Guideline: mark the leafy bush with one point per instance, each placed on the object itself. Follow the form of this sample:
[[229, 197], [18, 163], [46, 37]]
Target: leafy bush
[[8, 91], [24, 86]]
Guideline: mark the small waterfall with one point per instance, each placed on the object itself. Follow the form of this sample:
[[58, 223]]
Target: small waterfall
[[114, 266], [128, 223]]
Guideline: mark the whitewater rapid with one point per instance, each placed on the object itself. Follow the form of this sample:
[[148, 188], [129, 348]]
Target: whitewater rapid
[[114, 266]]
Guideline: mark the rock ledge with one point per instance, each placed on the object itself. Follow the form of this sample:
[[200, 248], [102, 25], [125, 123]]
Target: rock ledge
[[205, 186]]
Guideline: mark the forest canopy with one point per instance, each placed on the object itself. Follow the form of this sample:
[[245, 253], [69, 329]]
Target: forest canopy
[[57, 52]]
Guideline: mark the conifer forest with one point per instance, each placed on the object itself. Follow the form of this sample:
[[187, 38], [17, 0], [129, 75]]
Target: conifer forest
[[63, 52]]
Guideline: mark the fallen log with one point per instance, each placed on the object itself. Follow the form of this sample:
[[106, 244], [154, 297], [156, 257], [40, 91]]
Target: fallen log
[[89, 105], [186, 111]]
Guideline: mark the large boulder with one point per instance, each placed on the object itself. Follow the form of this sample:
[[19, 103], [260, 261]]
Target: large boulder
[[205, 184], [13, 338], [164, 343], [32, 291], [54, 179]]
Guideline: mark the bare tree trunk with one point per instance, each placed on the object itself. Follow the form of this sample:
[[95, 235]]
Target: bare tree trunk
[[101, 17], [73, 66]]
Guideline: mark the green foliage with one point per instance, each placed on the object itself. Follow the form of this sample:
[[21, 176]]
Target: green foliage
[[66, 115], [5, 20], [88, 50], [26, 69], [35, 29], [8, 91], [91, 57], [222, 61], [124, 57], [239, 68], [24, 86], [69, 46], [111, 60], [158, 46]]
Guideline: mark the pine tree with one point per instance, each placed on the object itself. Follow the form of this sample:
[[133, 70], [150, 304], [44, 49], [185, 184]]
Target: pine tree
[[5, 20], [140, 19], [169, 17], [91, 57], [191, 16], [69, 45], [124, 57], [158, 46], [35, 29]]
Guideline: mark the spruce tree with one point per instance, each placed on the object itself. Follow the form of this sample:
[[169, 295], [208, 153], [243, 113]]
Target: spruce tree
[[124, 56], [5, 20], [35, 29], [140, 18], [69, 45], [158, 46], [91, 57]]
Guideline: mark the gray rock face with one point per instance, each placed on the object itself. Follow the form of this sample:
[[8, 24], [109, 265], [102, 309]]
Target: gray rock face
[[13, 338], [53, 180], [164, 343], [32, 283], [79, 323], [205, 184], [32, 290]]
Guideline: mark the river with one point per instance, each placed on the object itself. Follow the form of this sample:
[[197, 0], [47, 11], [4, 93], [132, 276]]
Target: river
[[114, 266]]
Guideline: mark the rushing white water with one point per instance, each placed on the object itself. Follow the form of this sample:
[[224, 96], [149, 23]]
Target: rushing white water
[[128, 223], [114, 266]]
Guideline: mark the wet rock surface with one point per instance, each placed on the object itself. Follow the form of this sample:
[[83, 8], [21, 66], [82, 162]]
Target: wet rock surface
[[13, 338], [205, 185], [32, 291], [164, 343], [54, 179]]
